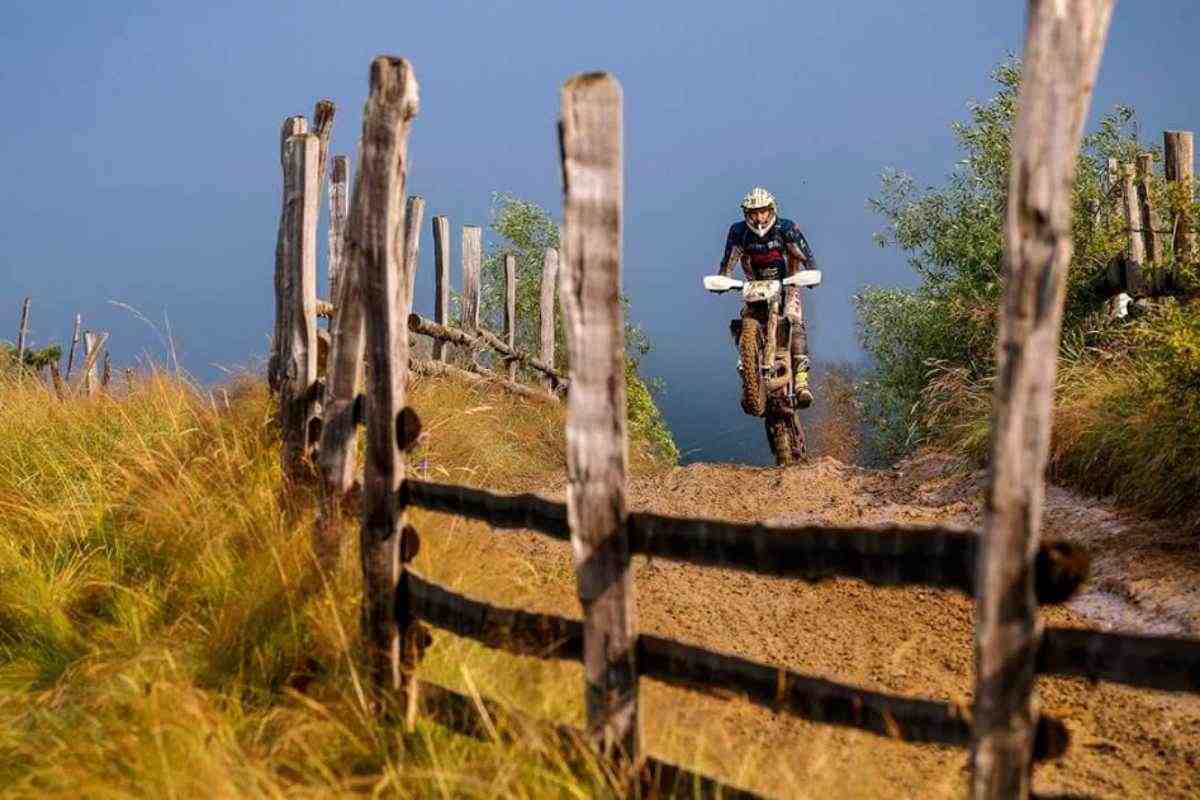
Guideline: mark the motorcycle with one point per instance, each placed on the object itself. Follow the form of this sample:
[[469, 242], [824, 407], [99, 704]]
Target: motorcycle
[[764, 358]]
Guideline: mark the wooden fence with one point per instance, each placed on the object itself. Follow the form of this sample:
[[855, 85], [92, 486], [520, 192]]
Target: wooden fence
[[1007, 569], [1144, 268]]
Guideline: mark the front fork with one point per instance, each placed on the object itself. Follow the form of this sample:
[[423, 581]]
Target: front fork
[[776, 376]]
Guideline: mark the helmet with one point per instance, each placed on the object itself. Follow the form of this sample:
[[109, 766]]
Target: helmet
[[757, 198]]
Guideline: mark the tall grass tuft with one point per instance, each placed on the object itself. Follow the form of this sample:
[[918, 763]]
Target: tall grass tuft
[[163, 630]]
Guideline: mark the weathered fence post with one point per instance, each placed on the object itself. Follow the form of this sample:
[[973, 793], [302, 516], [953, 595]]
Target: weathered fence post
[[441, 288], [1064, 41], [323, 114], [106, 373], [510, 309], [339, 210], [414, 214], [1135, 248], [93, 343], [591, 143], [472, 256], [343, 369], [292, 126], [23, 330], [297, 364], [1179, 150], [74, 344], [1149, 219], [377, 246], [546, 309]]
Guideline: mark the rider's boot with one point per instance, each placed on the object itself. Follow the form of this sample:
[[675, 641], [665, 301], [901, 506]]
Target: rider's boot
[[804, 396], [798, 347]]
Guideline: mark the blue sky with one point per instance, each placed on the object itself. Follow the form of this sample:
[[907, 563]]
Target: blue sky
[[141, 143]]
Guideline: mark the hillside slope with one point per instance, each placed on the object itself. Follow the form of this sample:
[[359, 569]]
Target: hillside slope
[[163, 632]]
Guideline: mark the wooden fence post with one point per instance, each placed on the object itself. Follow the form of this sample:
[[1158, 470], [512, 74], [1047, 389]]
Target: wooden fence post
[[377, 245], [510, 309], [1064, 41], [1149, 219], [292, 126], [23, 331], [343, 370], [590, 130], [297, 366], [1135, 249], [546, 308], [74, 344], [414, 214], [323, 114], [472, 257], [441, 288], [93, 343], [1179, 150], [339, 210]]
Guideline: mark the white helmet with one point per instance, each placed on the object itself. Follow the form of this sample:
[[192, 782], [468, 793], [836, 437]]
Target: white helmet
[[757, 198]]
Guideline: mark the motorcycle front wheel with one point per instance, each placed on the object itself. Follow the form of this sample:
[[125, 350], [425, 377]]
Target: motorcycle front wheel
[[750, 347], [784, 435]]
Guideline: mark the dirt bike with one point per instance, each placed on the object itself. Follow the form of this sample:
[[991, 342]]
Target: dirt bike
[[764, 358]]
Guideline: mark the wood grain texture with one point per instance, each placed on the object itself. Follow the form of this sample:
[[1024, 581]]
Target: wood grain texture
[[299, 404], [441, 285], [546, 313], [376, 249], [23, 330], [74, 344], [1148, 213], [510, 310], [591, 131], [93, 343], [1179, 163], [336, 450], [414, 215], [323, 113], [472, 258], [292, 126], [339, 212], [1063, 44], [1135, 244]]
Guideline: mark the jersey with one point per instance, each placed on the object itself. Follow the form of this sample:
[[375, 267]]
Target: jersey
[[765, 257]]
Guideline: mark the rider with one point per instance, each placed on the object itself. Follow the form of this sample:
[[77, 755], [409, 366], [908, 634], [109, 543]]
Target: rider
[[770, 248]]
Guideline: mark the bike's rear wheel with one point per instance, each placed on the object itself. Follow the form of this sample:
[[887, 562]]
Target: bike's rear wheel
[[750, 347]]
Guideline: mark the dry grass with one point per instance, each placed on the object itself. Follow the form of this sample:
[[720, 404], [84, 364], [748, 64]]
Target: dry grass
[[1122, 426], [163, 632]]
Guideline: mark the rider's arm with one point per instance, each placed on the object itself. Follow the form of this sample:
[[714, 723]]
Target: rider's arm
[[799, 254], [733, 253]]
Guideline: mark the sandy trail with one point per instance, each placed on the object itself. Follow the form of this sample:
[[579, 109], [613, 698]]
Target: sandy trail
[[917, 641]]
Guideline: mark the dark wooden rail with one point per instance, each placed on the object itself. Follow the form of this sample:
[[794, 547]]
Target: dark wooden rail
[[889, 554], [549, 636], [1166, 663]]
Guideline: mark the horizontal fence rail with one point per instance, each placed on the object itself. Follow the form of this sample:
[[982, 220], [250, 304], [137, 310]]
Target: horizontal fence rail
[[1166, 663], [888, 554], [480, 339], [548, 636]]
